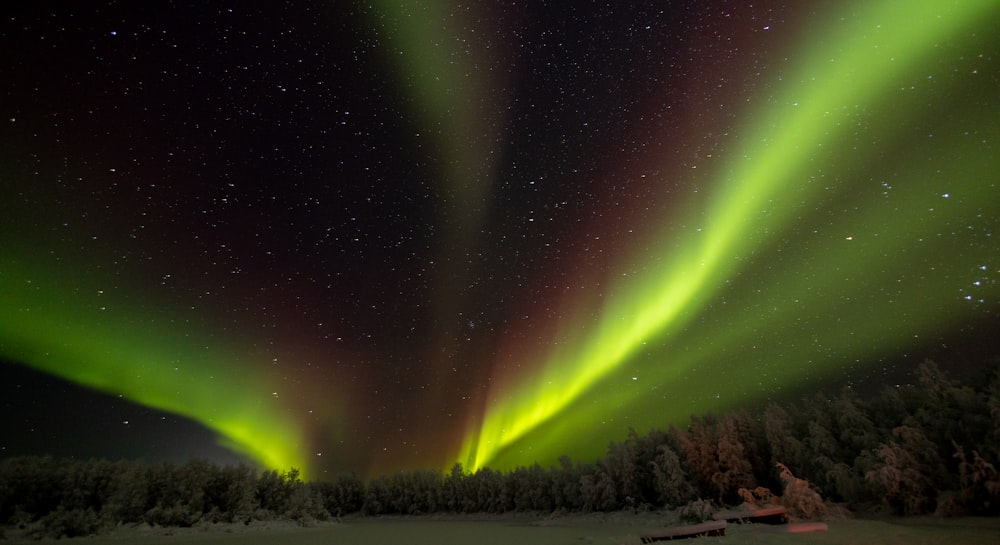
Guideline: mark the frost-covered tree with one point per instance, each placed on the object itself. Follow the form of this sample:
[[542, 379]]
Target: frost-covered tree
[[672, 485], [230, 494], [783, 438], [798, 497], [621, 466], [699, 445], [343, 495], [979, 492], [949, 411], [275, 490], [599, 491], [909, 472], [128, 494], [734, 452]]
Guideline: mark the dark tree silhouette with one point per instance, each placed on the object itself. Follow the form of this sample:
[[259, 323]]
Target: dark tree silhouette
[[920, 448]]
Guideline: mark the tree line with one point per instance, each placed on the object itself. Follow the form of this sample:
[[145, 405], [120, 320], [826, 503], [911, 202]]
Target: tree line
[[930, 447]]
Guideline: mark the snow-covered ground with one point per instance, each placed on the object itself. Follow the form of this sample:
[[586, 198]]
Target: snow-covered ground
[[615, 528]]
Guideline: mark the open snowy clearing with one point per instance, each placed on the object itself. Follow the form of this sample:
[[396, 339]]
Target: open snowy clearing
[[568, 530]]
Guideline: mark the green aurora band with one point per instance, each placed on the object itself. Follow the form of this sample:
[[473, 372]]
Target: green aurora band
[[74, 329], [724, 303], [841, 152]]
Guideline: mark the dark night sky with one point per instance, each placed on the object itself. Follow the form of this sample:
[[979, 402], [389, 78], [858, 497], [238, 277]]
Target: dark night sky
[[360, 236]]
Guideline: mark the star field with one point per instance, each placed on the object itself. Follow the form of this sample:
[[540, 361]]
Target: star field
[[385, 236]]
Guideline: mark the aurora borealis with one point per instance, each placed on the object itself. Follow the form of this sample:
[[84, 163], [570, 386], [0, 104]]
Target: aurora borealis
[[350, 238]]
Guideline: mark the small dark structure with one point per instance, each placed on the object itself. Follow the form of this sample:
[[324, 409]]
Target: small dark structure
[[758, 515], [710, 528]]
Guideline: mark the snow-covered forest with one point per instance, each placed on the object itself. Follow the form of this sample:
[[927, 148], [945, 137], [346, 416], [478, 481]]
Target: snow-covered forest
[[930, 447]]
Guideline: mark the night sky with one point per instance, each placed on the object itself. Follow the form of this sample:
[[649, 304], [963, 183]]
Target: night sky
[[348, 236]]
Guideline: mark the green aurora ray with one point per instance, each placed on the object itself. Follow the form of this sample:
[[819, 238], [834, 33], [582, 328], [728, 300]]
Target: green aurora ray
[[837, 233], [458, 105]]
